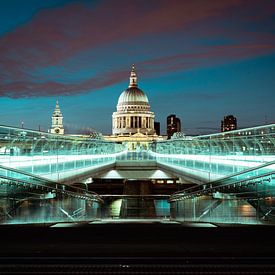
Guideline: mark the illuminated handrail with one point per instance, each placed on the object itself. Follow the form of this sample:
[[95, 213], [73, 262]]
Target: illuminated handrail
[[255, 141], [228, 181], [24, 142], [271, 163], [209, 190], [34, 181], [45, 134]]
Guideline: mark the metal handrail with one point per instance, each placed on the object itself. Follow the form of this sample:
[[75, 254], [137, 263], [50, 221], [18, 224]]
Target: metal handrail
[[58, 188], [231, 176]]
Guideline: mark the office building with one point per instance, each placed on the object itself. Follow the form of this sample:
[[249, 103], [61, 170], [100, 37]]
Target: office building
[[229, 123], [173, 125]]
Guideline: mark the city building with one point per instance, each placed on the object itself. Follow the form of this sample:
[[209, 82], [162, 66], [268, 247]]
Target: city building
[[229, 123], [157, 127], [133, 122], [173, 125], [133, 113], [57, 121]]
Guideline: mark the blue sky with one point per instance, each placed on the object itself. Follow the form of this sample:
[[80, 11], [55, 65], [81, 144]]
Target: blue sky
[[199, 59]]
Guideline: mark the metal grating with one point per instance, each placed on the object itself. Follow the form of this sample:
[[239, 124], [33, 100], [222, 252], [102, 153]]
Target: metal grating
[[201, 269]]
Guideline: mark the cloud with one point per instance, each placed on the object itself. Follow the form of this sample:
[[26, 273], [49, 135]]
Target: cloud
[[57, 34], [207, 56], [21, 89]]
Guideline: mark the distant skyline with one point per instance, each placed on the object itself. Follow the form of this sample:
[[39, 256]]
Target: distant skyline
[[201, 60]]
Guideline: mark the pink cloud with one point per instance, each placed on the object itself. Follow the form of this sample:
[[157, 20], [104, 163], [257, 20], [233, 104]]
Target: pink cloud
[[54, 35], [21, 89], [205, 57]]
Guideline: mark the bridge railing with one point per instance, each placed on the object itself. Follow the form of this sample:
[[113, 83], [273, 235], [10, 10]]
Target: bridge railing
[[259, 181], [246, 197], [51, 154], [27, 198], [218, 155]]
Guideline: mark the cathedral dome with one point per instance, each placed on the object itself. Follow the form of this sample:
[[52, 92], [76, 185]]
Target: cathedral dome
[[133, 95], [133, 113]]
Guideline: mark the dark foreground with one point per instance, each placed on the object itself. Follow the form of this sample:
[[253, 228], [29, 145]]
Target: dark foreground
[[133, 248]]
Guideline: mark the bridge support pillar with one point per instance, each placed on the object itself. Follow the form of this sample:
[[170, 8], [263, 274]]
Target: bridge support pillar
[[137, 207]]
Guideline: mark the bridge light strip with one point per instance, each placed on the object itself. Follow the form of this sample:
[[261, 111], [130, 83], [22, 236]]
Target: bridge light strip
[[28, 161], [244, 161]]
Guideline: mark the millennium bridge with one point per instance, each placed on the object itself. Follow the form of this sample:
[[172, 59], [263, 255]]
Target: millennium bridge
[[221, 178]]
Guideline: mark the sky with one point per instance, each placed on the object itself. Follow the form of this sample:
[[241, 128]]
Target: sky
[[201, 60]]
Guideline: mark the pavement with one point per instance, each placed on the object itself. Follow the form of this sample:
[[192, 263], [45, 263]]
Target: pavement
[[129, 238]]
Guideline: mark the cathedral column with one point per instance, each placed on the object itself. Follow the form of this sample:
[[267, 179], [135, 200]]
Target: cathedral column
[[152, 123]]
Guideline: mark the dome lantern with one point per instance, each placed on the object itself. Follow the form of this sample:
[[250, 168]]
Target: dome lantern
[[133, 77]]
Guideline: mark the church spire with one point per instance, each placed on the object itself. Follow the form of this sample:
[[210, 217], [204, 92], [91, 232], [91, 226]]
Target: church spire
[[57, 111], [133, 77]]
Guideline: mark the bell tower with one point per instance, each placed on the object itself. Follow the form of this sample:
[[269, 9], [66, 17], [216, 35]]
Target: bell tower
[[57, 121]]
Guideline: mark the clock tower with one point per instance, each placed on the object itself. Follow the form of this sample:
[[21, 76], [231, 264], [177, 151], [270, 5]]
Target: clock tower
[[57, 121]]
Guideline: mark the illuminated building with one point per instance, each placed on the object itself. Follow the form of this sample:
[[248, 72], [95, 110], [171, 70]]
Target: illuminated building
[[229, 123], [173, 125], [57, 121], [133, 122], [133, 113]]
